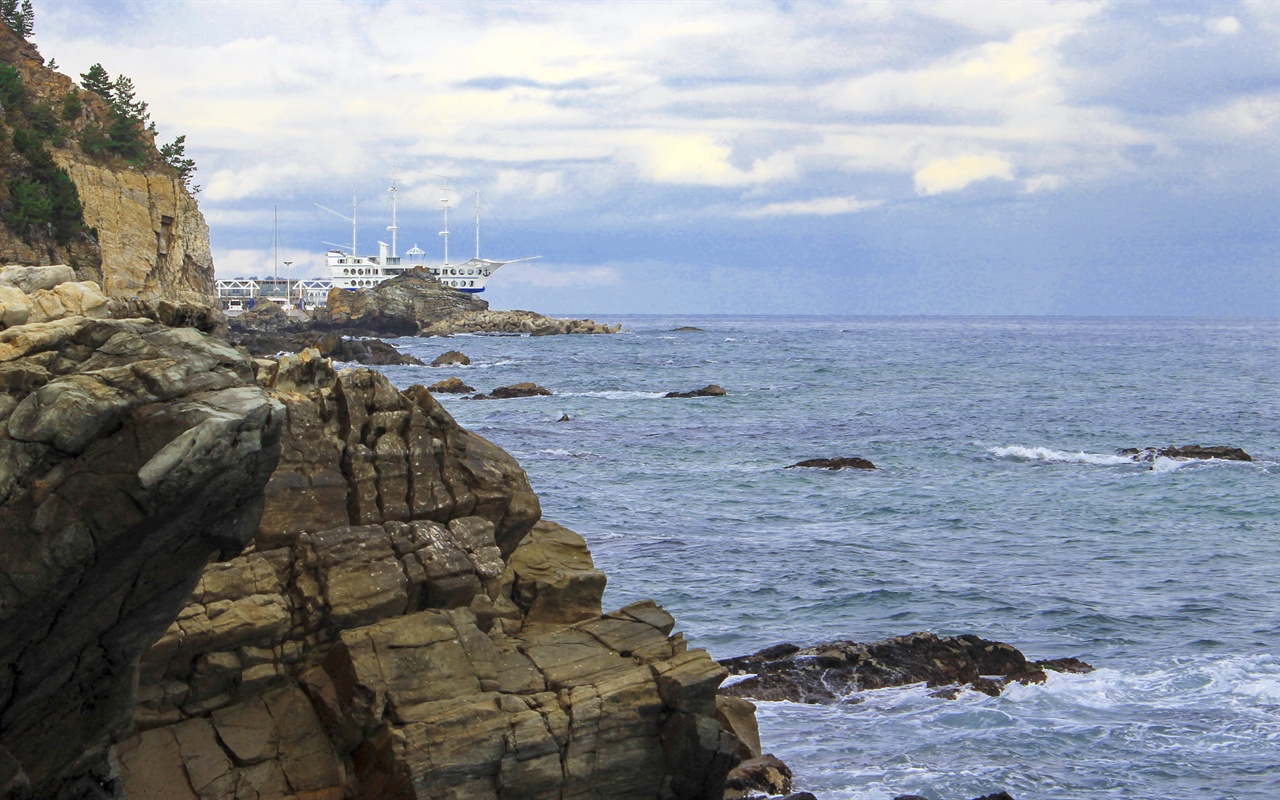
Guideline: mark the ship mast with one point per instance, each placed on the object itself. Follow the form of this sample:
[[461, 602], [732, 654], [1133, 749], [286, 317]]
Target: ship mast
[[444, 201], [392, 227], [353, 223], [477, 226]]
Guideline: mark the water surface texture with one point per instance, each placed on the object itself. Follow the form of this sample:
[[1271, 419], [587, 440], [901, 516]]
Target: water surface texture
[[1000, 508]]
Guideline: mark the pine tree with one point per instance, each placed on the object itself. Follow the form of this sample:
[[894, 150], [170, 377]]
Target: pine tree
[[20, 19], [174, 155], [96, 80], [123, 101]]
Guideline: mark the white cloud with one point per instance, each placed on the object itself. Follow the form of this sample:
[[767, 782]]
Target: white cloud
[[1043, 183], [821, 206], [1258, 115], [1222, 26], [702, 159], [955, 173]]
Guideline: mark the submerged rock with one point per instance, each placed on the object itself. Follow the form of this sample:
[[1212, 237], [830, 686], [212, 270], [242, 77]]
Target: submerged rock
[[842, 462], [831, 672], [711, 390]]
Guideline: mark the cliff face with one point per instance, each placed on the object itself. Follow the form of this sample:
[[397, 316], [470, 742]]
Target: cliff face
[[401, 624], [153, 239], [406, 627], [129, 453], [142, 233]]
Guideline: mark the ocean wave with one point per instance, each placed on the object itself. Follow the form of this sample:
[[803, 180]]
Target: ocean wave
[[1021, 453]]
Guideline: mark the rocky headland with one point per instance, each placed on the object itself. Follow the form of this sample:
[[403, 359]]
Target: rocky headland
[[385, 613]]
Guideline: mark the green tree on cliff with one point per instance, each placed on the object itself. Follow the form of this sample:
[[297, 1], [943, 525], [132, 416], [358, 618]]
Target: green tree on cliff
[[98, 81], [21, 19], [175, 155]]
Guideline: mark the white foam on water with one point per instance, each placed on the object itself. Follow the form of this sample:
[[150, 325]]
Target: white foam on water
[[1021, 453]]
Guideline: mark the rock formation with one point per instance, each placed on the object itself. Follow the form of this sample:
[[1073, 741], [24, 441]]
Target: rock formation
[[513, 322], [1195, 451], [831, 672], [129, 453], [450, 386], [397, 307], [513, 391], [711, 390], [401, 623], [406, 627], [450, 358], [840, 462], [142, 234]]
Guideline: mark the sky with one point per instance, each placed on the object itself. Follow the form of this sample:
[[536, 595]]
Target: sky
[[1082, 158]]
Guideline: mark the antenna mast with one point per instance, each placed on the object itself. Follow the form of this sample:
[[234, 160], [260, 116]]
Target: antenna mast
[[275, 264], [353, 223], [393, 227], [477, 225], [445, 233]]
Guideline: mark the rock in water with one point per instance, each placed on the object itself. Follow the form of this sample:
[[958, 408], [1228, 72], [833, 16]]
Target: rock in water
[[451, 386], [515, 390], [129, 453], [400, 306], [711, 390], [828, 672], [842, 462], [450, 358]]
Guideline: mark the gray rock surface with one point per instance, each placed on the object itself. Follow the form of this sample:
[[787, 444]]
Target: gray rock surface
[[130, 453]]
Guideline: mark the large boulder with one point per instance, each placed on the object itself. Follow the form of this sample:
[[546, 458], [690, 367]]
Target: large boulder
[[130, 452], [400, 306]]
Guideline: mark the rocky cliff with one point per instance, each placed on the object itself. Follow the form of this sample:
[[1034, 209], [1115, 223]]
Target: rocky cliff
[[401, 623], [129, 453], [138, 233]]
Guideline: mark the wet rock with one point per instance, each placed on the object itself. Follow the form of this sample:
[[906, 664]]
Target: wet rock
[[451, 357], [765, 774], [564, 418], [685, 329], [842, 462], [513, 391], [1189, 451], [372, 352], [711, 390], [831, 672], [451, 386]]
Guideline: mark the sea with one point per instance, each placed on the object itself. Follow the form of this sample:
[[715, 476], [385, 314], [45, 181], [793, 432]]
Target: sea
[[1000, 508]]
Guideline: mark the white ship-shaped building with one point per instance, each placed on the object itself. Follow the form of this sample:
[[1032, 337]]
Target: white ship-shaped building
[[348, 270]]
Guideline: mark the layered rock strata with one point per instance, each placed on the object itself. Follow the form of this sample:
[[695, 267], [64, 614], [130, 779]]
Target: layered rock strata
[[406, 627], [130, 452]]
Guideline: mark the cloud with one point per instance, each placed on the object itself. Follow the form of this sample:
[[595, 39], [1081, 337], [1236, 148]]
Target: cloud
[[821, 206], [702, 159], [1222, 26], [953, 174], [1043, 183]]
